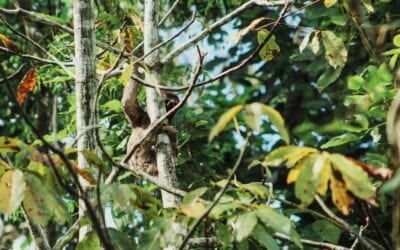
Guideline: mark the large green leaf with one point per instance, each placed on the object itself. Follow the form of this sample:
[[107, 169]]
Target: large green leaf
[[244, 225], [12, 187], [335, 51], [356, 179], [41, 202], [256, 110], [264, 238], [322, 230], [223, 120], [291, 154], [308, 181], [340, 140], [270, 49], [278, 223]]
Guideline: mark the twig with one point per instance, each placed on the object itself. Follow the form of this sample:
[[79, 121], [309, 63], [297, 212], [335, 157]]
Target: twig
[[348, 228], [26, 56], [67, 236], [217, 197], [318, 244], [13, 74], [362, 228]]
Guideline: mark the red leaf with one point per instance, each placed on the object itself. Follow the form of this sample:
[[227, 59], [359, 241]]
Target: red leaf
[[26, 85], [9, 44], [379, 173]]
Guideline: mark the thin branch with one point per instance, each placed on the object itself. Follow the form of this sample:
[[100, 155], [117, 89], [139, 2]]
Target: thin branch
[[36, 231], [27, 56], [217, 197], [348, 228], [168, 13], [67, 236], [13, 74], [224, 20], [318, 244]]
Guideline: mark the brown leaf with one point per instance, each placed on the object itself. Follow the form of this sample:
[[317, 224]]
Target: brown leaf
[[128, 39], [340, 197], [26, 85], [379, 173], [9, 44]]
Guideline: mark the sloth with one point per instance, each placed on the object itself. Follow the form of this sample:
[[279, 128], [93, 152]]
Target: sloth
[[144, 157]]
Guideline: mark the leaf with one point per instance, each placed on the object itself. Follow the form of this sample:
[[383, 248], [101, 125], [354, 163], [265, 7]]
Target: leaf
[[26, 85], [194, 195], [305, 42], [194, 210], [12, 187], [328, 77], [335, 51], [242, 32], [8, 144], [376, 172], [121, 194], [323, 230], [244, 225], [278, 223], [256, 189], [257, 109], [307, 183], [291, 154], [315, 46], [41, 202], [223, 120], [52, 18], [294, 173], [355, 82], [89, 242], [340, 140], [356, 179], [270, 49], [260, 235], [9, 44], [330, 3], [391, 185], [340, 197], [368, 5], [120, 240], [126, 75], [93, 159], [396, 40], [324, 177]]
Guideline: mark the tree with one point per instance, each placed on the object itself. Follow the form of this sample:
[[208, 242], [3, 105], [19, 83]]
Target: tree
[[280, 124]]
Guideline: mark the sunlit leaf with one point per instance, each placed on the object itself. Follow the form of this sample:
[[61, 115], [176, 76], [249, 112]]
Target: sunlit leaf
[[126, 75], [294, 173], [256, 189], [12, 187], [194, 195], [223, 120], [368, 5], [9, 44], [305, 42], [356, 179], [340, 197], [324, 177], [307, 183], [340, 140], [396, 40], [335, 51], [315, 46], [330, 3], [291, 154], [194, 210], [355, 82], [270, 49], [26, 85], [257, 109], [278, 223], [8, 144], [244, 225]]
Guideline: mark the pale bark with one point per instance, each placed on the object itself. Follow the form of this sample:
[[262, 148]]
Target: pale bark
[[85, 63], [156, 105]]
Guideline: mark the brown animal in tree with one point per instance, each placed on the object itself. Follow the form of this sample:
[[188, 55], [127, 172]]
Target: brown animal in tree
[[144, 157]]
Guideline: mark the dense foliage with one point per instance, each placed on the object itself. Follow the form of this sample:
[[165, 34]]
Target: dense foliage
[[309, 112]]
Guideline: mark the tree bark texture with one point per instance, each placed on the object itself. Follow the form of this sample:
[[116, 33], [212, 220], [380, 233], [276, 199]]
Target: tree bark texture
[[85, 85], [156, 104]]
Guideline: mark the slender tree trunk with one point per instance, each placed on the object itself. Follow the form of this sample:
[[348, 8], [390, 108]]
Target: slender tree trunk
[[85, 63], [156, 104]]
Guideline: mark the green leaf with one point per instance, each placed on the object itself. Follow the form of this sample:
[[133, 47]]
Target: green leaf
[[52, 18], [194, 195], [391, 185], [292, 154], [257, 109], [368, 5], [8, 144], [244, 225], [335, 51], [113, 105], [126, 75], [260, 235], [355, 82], [41, 202], [224, 119], [12, 187], [270, 49], [278, 223], [323, 230], [315, 46], [328, 77], [396, 40], [89, 242], [340, 140], [329, 3], [355, 178], [92, 158], [307, 183], [256, 189]]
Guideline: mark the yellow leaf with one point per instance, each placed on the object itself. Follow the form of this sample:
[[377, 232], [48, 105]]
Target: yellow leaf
[[294, 174], [8, 144], [291, 154], [324, 177], [12, 187], [194, 210], [340, 197], [330, 3], [223, 120]]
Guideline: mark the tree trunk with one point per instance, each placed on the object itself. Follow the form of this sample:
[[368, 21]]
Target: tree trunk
[[156, 104], [85, 85]]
